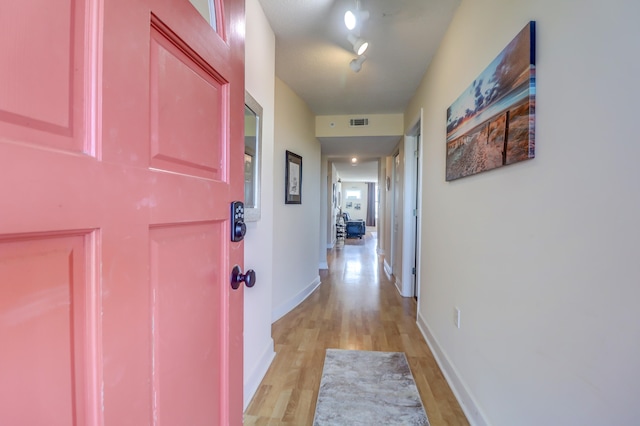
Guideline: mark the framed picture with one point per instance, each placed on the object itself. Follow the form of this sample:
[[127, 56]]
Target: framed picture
[[335, 198], [292, 178], [492, 124]]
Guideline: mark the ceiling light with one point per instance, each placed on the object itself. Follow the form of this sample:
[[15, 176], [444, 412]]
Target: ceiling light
[[354, 160], [353, 19], [350, 20], [359, 45], [356, 64]]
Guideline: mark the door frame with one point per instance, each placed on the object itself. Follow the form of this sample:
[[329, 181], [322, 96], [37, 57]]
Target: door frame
[[408, 231], [393, 251], [412, 230]]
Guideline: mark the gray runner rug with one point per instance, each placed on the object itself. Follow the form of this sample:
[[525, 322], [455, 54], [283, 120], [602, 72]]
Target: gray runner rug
[[368, 388]]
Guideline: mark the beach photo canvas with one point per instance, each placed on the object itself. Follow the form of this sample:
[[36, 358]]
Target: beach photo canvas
[[492, 123]]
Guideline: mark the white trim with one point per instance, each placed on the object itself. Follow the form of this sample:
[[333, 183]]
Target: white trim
[[253, 380], [387, 268], [471, 409], [393, 252], [408, 231], [380, 251], [400, 289], [323, 265], [289, 305], [420, 147], [330, 246]]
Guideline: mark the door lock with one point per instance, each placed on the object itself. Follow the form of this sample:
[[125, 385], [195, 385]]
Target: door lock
[[238, 227]]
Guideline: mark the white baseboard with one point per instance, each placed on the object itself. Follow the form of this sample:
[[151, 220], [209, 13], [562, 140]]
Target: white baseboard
[[254, 378], [471, 409], [286, 307], [398, 284], [387, 269], [323, 265]]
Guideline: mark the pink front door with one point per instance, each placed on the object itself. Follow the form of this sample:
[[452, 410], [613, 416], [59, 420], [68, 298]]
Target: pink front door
[[121, 148]]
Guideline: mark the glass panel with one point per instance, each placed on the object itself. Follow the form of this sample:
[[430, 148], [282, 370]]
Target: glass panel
[[207, 9], [353, 193]]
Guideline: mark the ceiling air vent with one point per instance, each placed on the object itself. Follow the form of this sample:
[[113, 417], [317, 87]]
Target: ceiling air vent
[[356, 122]]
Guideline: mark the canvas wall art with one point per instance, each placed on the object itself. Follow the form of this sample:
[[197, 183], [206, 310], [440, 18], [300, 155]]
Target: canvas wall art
[[492, 124]]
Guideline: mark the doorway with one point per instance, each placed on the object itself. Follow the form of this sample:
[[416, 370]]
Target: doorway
[[405, 222], [396, 214]]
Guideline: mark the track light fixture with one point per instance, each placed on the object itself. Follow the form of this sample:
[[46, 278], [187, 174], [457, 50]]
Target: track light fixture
[[356, 64], [355, 18], [350, 20], [353, 21], [359, 45]]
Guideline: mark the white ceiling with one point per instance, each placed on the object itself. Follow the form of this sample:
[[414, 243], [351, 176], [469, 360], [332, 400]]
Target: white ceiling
[[313, 55], [366, 171], [366, 149]]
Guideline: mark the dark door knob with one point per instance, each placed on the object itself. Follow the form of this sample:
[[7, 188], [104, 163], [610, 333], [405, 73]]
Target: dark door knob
[[239, 229], [237, 277]]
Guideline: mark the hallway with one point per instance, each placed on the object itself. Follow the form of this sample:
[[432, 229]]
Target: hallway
[[355, 307]]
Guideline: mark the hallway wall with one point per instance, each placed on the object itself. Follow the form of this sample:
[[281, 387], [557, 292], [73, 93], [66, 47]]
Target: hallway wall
[[387, 225], [325, 215], [363, 201], [382, 203], [334, 209], [296, 227], [258, 243], [541, 257], [395, 207]]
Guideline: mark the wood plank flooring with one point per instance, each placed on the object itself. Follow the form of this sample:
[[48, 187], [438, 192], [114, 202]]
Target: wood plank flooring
[[355, 307]]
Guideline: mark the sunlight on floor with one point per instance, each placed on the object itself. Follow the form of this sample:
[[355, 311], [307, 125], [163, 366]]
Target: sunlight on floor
[[352, 269]]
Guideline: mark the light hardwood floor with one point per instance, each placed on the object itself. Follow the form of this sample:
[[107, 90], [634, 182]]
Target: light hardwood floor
[[355, 307]]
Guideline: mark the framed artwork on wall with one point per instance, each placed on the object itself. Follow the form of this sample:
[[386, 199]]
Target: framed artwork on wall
[[293, 178], [334, 195], [492, 124]]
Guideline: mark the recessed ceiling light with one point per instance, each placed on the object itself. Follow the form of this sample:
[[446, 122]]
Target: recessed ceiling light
[[354, 160]]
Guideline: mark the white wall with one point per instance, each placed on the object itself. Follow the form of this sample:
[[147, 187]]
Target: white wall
[[296, 227], [258, 255], [398, 213], [382, 202], [387, 224], [363, 201], [325, 216], [334, 211], [339, 125], [542, 256]]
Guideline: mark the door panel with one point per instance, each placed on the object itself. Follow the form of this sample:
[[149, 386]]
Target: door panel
[[119, 164], [42, 310], [184, 139], [187, 309], [42, 101]]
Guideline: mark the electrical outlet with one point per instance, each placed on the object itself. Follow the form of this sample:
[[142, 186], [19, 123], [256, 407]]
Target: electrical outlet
[[456, 317]]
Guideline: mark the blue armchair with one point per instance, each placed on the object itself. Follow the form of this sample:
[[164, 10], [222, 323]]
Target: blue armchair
[[354, 227]]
